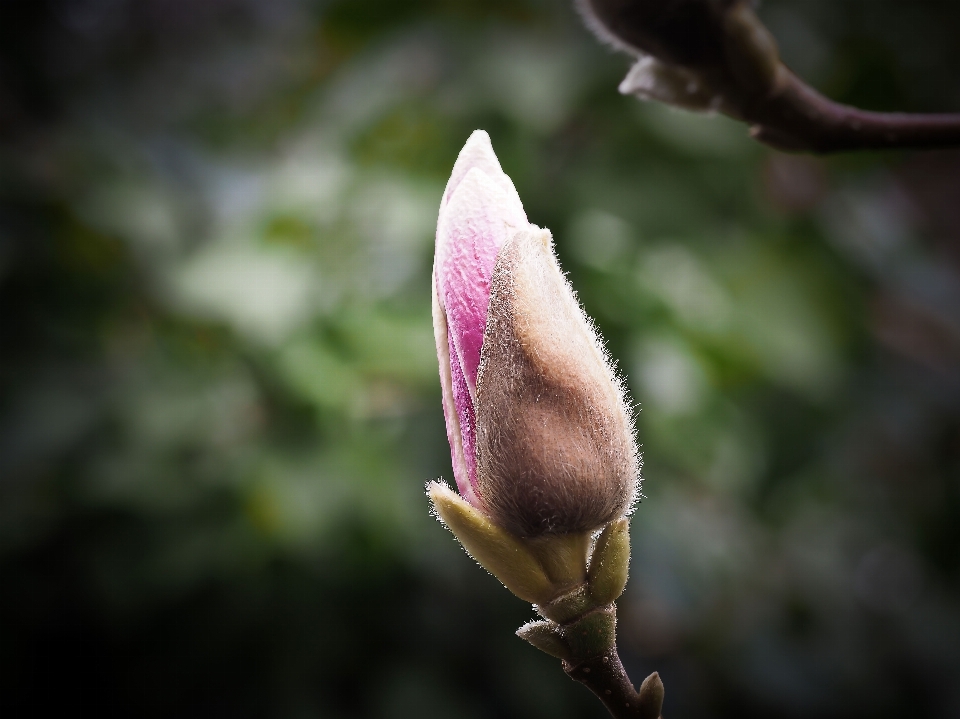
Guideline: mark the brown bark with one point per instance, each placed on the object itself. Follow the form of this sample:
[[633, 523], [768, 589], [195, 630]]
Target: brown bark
[[606, 677], [798, 118]]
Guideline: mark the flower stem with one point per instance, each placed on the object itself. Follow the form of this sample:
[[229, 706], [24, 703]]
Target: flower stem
[[606, 677], [587, 645]]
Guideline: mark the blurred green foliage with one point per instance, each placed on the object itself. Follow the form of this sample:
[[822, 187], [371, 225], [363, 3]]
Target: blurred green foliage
[[219, 398]]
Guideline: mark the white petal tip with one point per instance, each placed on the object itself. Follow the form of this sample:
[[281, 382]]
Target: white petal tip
[[477, 153], [477, 137]]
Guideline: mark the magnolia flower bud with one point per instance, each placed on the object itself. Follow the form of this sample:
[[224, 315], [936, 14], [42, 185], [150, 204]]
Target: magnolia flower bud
[[539, 426]]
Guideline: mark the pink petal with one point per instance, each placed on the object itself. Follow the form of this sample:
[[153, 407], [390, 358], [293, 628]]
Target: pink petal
[[473, 226], [479, 212], [456, 400], [466, 417]]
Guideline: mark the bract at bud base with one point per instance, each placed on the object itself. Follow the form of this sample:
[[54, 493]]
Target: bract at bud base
[[557, 573]]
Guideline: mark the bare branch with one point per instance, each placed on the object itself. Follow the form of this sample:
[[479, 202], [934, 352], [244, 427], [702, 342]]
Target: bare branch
[[716, 55], [800, 118]]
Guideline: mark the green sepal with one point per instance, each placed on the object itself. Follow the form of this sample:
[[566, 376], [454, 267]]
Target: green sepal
[[547, 637], [568, 607], [563, 557], [593, 635], [610, 563], [495, 549]]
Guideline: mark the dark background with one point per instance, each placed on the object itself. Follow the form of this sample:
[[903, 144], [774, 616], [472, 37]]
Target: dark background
[[219, 399]]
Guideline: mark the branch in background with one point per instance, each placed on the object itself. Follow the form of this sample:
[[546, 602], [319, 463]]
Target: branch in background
[[716, 55]]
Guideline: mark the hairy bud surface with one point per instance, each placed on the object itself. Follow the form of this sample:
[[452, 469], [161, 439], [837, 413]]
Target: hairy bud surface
[[538, 421]]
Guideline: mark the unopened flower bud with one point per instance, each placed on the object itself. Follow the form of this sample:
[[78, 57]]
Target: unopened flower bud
[[539, 426]]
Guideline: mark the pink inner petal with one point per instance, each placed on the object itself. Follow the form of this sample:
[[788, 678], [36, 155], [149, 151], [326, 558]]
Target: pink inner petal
[[468, 426], [480, 210], [467, 297], [474, 225], [450, 413]]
